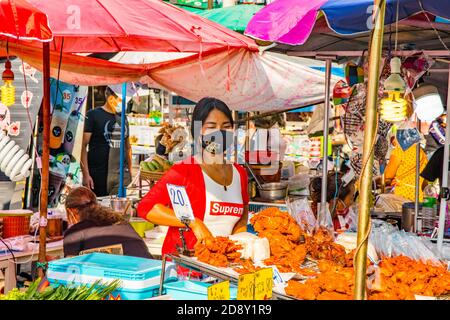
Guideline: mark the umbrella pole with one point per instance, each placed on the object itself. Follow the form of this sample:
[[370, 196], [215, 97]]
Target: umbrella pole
[[369, 137], [41, 267], [445, 169], [122, 141], [326, 120]]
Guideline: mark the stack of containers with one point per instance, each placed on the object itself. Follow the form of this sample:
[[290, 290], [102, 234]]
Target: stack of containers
[[140, 278]]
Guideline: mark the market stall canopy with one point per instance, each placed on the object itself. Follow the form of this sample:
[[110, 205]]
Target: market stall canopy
[[20, 20], [85, 26], [235, 18], [332, 25]]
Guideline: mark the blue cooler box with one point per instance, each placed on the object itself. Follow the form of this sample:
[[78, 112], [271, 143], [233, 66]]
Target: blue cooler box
[[139, 277], [192, 290]]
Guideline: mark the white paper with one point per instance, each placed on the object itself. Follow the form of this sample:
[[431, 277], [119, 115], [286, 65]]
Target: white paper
[[180, 202]]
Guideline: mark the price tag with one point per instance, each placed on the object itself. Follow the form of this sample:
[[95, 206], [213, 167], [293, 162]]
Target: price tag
[[277, 278], [263, 284], [180, 202], [219, 291], [246, 287]]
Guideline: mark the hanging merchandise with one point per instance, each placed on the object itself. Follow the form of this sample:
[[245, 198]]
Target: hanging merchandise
[[5, 118], [8, 91], [394, 107], [354, 73], [341, 93], [407, 135], [26, 98], [14, 129], [74, 119], [437, 131], [415, 66], [61, 97], [14, 161]]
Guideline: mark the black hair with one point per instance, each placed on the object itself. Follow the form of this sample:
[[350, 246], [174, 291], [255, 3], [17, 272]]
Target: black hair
[[333, 180], [204, 107], [109, 92], [160, 149]]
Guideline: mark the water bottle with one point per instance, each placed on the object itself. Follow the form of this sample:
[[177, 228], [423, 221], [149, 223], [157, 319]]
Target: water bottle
[[429, 208]]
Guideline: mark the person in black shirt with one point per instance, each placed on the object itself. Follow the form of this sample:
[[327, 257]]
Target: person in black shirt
[[433, 170], [102, 133], [94, 226]]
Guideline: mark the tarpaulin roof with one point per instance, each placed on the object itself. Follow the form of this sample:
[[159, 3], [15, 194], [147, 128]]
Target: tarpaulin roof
[[292, 21], [235, 18], [133, 25], [20, 20]]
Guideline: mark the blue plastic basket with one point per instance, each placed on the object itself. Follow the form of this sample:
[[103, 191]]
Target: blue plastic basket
[[140, 277], [192, 290]]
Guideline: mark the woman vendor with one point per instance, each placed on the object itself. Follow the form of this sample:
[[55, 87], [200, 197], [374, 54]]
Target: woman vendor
[[217, 189], [400, 171], [340, 198]]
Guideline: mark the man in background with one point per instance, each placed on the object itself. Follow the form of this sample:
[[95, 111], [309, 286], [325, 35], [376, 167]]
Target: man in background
[[102, 133]]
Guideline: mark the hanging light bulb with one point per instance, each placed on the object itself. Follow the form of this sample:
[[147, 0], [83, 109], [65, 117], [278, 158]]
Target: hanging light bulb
[[394, 107], [8, 90]]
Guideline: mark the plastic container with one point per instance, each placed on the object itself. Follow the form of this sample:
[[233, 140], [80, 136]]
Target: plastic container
[[141, 225], [429, 209], [140, 277], [15, 222], [192, 290]]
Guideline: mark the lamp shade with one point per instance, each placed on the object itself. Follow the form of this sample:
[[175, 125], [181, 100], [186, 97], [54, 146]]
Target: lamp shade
[[428, 102]]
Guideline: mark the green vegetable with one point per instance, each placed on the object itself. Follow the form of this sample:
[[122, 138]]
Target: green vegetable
[[152, 166], [96, 291], [158, 166]]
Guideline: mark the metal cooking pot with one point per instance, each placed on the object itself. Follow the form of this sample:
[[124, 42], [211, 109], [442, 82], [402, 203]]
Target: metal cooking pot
[[273, 190]]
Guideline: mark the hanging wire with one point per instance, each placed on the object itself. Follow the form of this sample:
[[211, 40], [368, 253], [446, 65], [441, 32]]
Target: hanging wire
[[432, 26], [396, 25]]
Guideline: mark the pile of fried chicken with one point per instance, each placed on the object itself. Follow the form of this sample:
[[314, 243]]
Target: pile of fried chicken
[[401, 278], [218, 251]]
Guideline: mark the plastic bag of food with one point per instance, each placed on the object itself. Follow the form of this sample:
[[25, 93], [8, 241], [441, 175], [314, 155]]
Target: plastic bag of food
[[299, 181], [324, 219], [301, 211]]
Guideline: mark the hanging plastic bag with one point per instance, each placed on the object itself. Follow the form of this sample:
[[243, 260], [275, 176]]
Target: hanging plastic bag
[[324, 219], [303, 214], [407, 135]]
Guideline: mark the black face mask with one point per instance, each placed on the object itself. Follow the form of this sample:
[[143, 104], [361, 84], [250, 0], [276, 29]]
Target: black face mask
[[217, 142]]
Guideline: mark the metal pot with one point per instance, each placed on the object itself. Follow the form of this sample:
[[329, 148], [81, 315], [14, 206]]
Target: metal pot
[[123, 206], [273, 190]]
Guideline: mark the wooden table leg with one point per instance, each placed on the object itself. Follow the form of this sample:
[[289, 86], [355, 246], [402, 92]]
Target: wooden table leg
[[10, 276]]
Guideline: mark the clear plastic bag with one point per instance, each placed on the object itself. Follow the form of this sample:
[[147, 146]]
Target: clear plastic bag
[[324, 219], [302, 213], [390, 242]]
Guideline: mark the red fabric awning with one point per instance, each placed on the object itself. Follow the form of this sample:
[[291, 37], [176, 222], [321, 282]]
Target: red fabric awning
[[20, 20], [133, 25]]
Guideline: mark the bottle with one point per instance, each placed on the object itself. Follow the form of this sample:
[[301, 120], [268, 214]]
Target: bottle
[[429, 208]]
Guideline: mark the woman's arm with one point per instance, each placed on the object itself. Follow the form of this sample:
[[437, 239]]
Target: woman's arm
[[391, 168], [241, 225]]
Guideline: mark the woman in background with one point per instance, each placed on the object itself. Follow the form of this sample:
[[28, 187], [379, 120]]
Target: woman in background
[[340, 198], [95, 226]]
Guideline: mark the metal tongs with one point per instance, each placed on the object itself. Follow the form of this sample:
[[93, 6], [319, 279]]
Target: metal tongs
[[184, 249]]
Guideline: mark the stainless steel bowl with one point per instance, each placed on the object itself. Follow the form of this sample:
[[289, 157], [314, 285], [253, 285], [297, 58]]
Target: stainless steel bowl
[[273, 190]]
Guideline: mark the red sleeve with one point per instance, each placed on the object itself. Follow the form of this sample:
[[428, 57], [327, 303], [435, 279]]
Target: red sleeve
[[244, 183], [158, 193]]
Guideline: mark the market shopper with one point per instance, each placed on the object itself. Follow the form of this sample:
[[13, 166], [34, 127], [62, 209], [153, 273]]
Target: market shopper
[[94, 226], [340, 198], [217, 189], [433, 169], [102, 133]]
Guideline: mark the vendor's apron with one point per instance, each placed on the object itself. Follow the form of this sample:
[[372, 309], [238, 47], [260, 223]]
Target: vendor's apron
[[223, 208]]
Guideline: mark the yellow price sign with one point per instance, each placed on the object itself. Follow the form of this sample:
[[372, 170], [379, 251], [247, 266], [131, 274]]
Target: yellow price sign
[[263, 284], [219, 291], [246, 287]]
